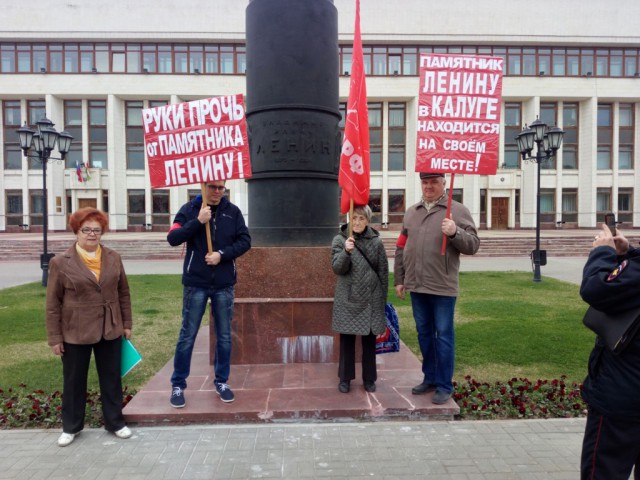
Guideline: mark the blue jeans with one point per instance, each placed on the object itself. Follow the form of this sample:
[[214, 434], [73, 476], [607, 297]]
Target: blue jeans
[[194, 304], [434, 322]]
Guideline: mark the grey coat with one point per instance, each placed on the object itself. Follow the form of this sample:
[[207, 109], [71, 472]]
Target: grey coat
[[361, 293]]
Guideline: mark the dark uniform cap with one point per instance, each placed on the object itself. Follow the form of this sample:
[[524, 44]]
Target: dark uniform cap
[[424, 175]]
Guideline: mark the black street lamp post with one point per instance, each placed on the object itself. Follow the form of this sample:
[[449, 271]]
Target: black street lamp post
[[39, 144], [548, 141]]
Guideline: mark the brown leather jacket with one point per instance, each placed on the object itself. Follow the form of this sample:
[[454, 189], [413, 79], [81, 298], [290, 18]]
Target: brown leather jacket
[[81, 310], [419, 264]]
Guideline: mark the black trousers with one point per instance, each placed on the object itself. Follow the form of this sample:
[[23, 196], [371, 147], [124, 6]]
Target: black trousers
[[610, 449], [75, 367], [347, 363]]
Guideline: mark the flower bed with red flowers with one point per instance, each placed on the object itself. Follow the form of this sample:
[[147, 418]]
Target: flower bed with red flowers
[[21, 408], [518, 398]]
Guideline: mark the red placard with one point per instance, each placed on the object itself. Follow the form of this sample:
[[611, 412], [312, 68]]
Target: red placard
[[197, 142], [458, 126]]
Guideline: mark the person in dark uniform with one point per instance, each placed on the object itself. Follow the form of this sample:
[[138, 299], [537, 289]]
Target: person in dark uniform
[[611, 284]]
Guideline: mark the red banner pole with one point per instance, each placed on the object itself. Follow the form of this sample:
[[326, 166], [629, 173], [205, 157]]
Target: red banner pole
[[444, 237]]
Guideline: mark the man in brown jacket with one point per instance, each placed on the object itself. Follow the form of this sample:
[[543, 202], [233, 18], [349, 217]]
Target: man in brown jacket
[[432, 278]]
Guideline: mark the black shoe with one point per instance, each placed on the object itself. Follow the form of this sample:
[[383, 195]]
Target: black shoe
[[440, 397], [370, 386], [177, 397], [423, 388], [344, 387]]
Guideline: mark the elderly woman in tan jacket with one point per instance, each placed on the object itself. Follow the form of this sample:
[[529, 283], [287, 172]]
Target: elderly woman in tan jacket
[[88, 309]]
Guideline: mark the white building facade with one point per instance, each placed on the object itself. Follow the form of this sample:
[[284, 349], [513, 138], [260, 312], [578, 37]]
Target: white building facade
[[91, 69]]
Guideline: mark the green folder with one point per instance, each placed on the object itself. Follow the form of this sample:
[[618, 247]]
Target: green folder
[[130, 357]]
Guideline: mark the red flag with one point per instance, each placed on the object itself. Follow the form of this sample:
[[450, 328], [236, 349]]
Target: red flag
[[354, 159]]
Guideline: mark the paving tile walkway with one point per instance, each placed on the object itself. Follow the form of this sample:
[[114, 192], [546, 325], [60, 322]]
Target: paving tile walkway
[[452, 450]]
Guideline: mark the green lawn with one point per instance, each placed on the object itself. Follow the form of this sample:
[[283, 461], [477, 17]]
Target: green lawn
[[506, 326], [157, 306]]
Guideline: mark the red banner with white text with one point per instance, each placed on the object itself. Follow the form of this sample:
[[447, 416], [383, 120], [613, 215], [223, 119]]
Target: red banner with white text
[[197, 142], [458, 128]]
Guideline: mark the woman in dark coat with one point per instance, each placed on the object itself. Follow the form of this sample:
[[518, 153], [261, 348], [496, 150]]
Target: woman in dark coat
[[611, 284], [362, 267], [88, 310]]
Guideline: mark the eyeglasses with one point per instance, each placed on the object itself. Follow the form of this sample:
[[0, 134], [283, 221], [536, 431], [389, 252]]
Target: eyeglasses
[[220, 188], [95, 231]]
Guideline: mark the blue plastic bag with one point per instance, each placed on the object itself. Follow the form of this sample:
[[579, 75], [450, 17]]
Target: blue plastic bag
[[389, 341]]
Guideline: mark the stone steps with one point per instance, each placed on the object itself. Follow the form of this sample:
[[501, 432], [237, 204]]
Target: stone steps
[[158, 248], [522, 246]]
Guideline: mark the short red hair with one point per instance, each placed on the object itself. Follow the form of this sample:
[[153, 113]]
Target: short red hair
[[87, 214]]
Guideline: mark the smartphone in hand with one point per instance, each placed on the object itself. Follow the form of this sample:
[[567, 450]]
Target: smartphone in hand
[[610, 220]]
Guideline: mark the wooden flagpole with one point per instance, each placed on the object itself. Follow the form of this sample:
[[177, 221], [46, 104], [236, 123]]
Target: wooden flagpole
[[203, 189]]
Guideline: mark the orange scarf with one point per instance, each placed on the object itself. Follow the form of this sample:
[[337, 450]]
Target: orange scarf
[[92, 260]]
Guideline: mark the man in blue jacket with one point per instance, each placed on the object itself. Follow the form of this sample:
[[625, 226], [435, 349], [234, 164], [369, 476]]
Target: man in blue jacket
[[207, 276]]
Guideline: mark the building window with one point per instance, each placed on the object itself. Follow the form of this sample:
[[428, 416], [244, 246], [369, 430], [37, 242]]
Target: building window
[[604, 137], [346, 59], [569, 205], [73, 125], [192, 194], [71, 58], [375, 203], [375, 136], [135, 136], [549, 115], [625, 205], [396, 206], [397, 136], [573, 62], [570, 139], [603, 203], [135, 207], [544, 62], [483, 206], [149, 58], [160, 206], [458, 195], [514, 61], [10, 124], [512, 128], [98, 134], [7, 58], [547, 205], [586, 62], [180, 59], [625, 148], [36, 111], [164, 59], [14, 208], [36, 207]]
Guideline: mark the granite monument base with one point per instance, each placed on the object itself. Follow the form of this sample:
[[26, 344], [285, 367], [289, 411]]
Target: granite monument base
[[283, 307]]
